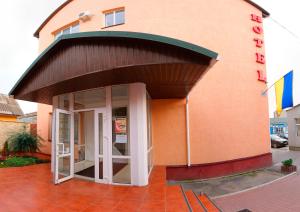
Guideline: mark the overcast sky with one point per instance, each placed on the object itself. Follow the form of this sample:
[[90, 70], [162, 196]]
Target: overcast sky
[[20, 18]]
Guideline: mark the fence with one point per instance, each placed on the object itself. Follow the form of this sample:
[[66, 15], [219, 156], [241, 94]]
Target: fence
[[8, 128]]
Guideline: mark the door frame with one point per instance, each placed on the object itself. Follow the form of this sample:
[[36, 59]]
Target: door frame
[[105, 142], [71, 153], [107, 172]]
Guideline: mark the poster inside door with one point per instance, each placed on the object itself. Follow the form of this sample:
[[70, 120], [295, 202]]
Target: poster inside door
[[121, 129]]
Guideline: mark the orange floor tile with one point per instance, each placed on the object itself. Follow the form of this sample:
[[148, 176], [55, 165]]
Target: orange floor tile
[[31, 189]]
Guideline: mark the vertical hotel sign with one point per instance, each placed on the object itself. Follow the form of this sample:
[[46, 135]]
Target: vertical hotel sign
[[259, 43]]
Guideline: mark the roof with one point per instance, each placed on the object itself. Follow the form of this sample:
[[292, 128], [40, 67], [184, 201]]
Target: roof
[[264, 12], [37, 32], [33, 114], [9, 106], [119, 34], [138, 57]]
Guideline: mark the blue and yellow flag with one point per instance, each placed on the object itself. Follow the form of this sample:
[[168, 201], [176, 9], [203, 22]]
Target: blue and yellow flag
[[284, 92]]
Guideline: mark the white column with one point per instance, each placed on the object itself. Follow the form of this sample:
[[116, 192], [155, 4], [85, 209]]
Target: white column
[[107, 127], [138, 133]]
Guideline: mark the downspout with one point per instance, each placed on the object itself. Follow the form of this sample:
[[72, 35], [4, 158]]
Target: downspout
[[187, 118]]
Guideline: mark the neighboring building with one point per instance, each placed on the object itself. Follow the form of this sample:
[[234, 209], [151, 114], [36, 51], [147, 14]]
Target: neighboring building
[[9, 113], [9, 108], [133, 84], [293, 116], [28, 118], [278, 126]]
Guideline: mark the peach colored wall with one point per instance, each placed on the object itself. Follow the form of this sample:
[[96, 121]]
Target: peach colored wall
[[168, 132], [43, 126], [228, 114]]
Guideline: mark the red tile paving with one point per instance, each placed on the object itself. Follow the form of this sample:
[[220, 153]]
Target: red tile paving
[[283, 195], [31, 189]]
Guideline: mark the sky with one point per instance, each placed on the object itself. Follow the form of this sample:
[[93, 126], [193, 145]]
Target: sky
[[18, 47], [282, 43], [20, 19]]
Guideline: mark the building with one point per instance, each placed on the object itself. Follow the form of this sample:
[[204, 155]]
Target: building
[[293, 119], [135, 84], [9, 108], [10, 111], [28, 118], [278, 126]]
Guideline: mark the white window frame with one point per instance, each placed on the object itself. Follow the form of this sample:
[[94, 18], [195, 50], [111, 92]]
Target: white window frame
[[149, 134], [114, 17], [60, 32]]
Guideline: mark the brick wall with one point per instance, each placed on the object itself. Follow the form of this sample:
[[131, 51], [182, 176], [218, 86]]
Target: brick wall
[[8, 128]]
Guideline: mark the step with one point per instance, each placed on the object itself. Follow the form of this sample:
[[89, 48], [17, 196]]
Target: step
[[208, 203], [192, 201]]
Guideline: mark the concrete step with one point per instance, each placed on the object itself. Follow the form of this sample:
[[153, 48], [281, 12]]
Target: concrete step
[[199, 202]]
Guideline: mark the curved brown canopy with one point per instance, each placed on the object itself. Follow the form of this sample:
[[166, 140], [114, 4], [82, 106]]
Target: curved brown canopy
[[168, 67]]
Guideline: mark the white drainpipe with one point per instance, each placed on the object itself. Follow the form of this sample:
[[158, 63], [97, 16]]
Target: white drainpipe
[[187, 118]]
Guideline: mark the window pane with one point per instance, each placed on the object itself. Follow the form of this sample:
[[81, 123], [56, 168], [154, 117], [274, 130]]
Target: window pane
[[150, 161], [297, 121], [89, 99], [75, 28], [85, 147], [100, 119], [50, 127], [149, 136], [57, 35], [64, 168], [66, 31], [63, 102], [109, 19], [64, 134], [120, 17], [120, 136], [121, 170]]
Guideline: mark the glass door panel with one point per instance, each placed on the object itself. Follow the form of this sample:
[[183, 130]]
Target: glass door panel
[[84, 159], [121, 170], [63, 168]]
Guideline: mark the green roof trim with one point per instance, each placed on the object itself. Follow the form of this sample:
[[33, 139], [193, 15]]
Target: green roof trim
[[120, 34]]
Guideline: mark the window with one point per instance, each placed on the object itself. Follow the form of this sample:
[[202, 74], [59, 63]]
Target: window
[[120, 138], [298, 126], [114, 17], [69, 30], [63, 102], [120, 134], [89, 99], [149, 135], [50, 127]]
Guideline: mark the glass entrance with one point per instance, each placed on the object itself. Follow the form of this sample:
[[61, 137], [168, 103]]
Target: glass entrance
[[63, 147], [92, 138]]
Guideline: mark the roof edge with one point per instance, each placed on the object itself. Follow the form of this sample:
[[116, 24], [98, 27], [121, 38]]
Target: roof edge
[[265, 13], [37, 32], [120, 34]]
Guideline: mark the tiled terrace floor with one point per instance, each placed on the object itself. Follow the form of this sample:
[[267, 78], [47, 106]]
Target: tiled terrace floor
[[31, 189]]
